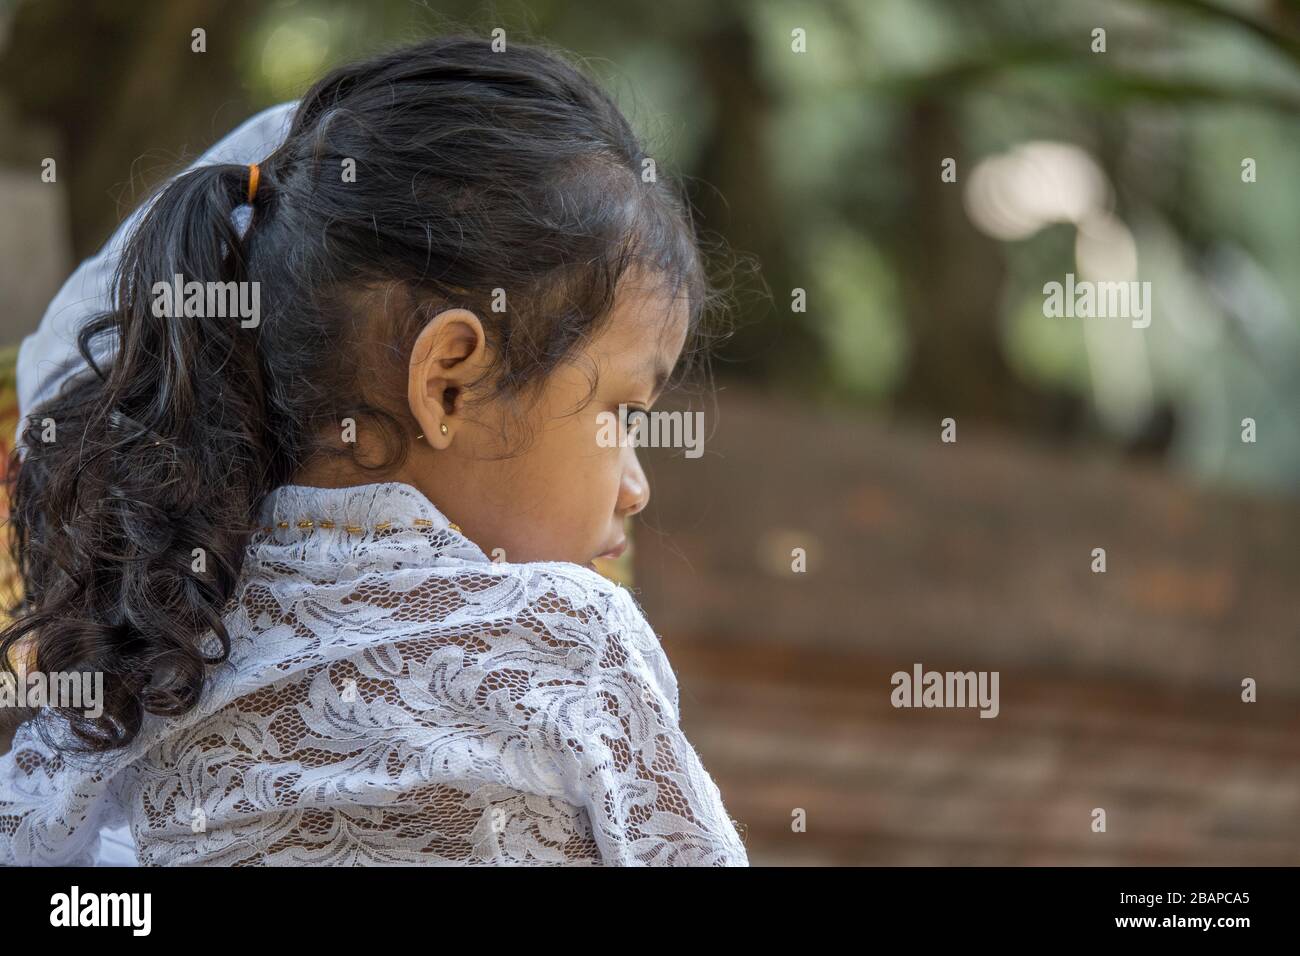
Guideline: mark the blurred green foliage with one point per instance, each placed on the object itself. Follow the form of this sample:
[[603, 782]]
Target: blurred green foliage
[[823, 166]]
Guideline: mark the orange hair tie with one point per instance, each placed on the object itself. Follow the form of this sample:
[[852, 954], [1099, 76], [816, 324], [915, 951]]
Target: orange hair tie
[[254, 174]]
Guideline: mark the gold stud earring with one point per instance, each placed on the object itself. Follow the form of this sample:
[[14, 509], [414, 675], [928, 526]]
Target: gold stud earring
[[443, 428]]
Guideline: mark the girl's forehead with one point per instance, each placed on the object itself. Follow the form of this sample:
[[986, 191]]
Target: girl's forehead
[[647, 318]]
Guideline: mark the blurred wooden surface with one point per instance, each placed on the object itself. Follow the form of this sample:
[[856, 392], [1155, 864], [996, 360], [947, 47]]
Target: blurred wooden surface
[[1118, 690]]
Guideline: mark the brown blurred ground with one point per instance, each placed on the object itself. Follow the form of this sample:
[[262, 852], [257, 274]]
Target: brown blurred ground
[[1118, 690]]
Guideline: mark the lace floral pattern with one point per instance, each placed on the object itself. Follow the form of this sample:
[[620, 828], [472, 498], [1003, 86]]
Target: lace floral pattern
[[394, 697]]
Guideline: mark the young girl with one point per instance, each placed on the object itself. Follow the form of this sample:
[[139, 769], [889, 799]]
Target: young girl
[[333, 558]]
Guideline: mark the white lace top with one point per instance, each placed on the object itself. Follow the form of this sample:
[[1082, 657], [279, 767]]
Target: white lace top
[[394, 697]]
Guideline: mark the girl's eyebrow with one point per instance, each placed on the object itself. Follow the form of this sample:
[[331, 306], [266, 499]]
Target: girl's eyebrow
[[659, 374]]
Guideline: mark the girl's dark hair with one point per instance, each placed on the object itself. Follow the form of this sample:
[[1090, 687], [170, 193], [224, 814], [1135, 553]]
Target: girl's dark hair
[[475, 171]]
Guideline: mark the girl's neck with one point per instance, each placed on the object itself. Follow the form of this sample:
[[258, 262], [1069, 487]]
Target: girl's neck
[[346, 474]]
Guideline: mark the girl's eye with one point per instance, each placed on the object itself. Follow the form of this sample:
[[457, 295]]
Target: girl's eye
[[633, 419]]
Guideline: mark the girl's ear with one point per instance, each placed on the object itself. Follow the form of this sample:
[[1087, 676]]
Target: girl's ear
[[448, 355]]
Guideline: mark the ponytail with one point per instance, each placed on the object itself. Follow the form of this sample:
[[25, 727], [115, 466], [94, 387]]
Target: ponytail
[[138, 485]]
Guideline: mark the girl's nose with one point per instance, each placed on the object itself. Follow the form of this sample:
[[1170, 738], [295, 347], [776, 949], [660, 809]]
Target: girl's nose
[[633, 490]]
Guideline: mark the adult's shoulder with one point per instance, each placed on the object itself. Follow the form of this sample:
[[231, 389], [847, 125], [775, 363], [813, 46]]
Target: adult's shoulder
[[49, 356], [251, 140]]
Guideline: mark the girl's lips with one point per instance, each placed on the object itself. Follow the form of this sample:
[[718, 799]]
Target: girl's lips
[[615, 552]]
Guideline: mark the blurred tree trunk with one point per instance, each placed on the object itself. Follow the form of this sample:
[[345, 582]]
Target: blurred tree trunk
[[952, 282], [741, 202], [108, 88]]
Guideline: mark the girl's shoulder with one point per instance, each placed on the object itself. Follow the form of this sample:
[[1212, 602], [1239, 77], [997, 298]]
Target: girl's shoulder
[[546, 623], [403, 681]]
